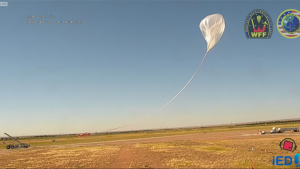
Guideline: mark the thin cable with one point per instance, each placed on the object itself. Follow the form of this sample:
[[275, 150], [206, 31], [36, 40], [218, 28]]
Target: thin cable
[[168, 101]]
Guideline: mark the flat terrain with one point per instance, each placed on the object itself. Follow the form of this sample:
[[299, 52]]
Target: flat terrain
[[227, 147]]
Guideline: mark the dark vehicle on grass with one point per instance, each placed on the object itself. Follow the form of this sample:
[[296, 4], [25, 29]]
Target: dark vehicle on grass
[[15, 146]]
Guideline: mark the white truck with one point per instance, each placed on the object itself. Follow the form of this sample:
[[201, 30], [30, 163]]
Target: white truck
[[281, 130]]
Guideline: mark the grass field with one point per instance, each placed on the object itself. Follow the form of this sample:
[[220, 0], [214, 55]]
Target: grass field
[[61, 140], [220, 152]]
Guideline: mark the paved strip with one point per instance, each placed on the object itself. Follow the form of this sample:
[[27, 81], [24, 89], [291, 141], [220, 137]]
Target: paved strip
[[194, 136]]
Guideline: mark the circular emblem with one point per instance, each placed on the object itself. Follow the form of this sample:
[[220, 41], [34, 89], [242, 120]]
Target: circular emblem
[[258, 25], [288, 144], [288, 23]]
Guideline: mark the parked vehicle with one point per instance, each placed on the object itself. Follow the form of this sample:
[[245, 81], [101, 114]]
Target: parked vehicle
[[281, 130], [14, 146]]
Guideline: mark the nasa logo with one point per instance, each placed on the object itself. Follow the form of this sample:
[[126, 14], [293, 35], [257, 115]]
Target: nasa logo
[[288, 23], [258, 25]]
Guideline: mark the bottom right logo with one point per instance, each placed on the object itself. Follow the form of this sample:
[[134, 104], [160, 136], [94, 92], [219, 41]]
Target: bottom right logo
[[287, 144], [286, 160]]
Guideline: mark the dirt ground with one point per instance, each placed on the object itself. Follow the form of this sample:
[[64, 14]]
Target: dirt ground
[[238, 149]]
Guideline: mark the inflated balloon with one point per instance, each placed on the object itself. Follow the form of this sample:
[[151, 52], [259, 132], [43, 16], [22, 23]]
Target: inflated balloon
[[212, 28]]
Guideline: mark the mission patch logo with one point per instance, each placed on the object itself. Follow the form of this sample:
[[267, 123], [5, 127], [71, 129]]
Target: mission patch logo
[[288, 23], [258, 25]]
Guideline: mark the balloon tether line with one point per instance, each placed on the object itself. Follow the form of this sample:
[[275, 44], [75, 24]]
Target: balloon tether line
[[169, 100]]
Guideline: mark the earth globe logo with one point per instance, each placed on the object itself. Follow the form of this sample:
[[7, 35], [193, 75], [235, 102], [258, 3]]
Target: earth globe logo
[[288, 23], [291, 23]]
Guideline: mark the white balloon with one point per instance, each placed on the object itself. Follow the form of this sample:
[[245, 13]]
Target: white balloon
[[212, 28]]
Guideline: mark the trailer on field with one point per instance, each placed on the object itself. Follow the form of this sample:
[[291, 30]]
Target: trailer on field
[[292, 129], [15, 146], [280, 130]]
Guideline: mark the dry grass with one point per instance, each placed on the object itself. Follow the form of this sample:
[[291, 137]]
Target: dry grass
[[63, 140], [181, 163], [218, 149], [71, 157], [229, 153], [158, 147], [233, 153], [222, 152]]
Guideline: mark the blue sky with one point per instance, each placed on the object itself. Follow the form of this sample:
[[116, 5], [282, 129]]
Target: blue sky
[[129, 58]]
